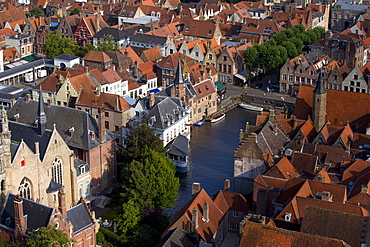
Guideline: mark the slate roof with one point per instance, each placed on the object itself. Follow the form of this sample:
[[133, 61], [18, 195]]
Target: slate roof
[[148, 39], [38, 215], [166, 110], [256, 234], [350, 228], [29, 134], [64, 118], [79, 217], [179, 146], [8, 92], [66, 57], [267, 138]]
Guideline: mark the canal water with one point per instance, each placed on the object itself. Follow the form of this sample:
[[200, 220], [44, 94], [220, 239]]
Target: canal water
[[212, 155]]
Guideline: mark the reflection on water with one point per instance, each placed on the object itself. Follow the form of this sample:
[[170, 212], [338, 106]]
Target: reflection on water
[[212, 155]]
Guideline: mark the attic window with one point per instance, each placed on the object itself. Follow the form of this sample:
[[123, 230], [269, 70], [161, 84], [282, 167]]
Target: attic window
[[267, 30], [287, 217], [187, 29], [70, 131], [92, 134], [209, 31]]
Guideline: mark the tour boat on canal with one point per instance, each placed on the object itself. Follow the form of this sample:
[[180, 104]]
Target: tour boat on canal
[[217, 118], [250, 107]]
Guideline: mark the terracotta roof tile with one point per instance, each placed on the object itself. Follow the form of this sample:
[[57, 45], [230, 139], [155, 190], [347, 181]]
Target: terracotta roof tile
[[82, 81], [338, 109], [7, 32], [152, 54], [335, 224], [111, 75], [98, 56], [204, 89], [259, 235], [128, 51], [172, 60], [10, 55], [305, 164], [283, 169], [106, 100]]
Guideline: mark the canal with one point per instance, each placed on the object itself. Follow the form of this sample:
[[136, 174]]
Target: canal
[[212, 155]]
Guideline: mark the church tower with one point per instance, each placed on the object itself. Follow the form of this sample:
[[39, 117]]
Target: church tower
[[5, 155], [179, 85], [319, 103]]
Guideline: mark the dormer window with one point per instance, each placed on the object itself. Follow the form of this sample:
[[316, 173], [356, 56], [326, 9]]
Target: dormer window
[[287, 217], [92, 134], [70, 131]]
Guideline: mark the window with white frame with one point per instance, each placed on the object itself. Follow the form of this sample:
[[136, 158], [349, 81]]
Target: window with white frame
[[56, 171]]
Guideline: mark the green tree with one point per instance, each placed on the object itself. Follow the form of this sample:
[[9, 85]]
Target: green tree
[[55, 45], [298, 43], [250, 58], [137, 139], [37, 12], [290, 48], [298, 29], [84, 50], [75, 11], [130, 217], [280, 37], [107, 44], [48, 236]]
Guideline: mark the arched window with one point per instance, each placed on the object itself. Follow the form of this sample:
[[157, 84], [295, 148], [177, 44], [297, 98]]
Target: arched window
[[87, 188], [56, 171], [25, 189]]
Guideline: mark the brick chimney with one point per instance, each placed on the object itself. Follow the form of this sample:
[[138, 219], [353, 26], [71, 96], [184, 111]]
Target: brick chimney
[[194, 219], [62, 203], [19, 220], [206, 212], [195, 188], [227, 185], [102, 130], [49, 102], [151, 100]]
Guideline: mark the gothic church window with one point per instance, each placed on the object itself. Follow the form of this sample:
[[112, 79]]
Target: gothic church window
[[56, 171], [24, 189]]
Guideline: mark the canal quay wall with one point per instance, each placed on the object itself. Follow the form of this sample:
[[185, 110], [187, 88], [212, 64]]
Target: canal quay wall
[[268, 103]]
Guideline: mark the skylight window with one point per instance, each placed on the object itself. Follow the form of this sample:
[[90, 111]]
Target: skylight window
[[267, 30]]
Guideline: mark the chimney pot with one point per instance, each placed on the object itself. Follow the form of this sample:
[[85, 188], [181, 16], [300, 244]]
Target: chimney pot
[[195, 188], [227, 185], [28, 97]]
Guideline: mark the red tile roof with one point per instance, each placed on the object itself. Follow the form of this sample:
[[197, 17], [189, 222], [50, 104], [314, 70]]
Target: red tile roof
[[337, 107], [98, 56], [106, 100], [283, 169], [259, 235]]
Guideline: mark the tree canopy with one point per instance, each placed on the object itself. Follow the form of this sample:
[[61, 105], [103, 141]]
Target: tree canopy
[[107, 44], [55, 45], [37, 12], [48, 236], [286, 44], [75, 11]]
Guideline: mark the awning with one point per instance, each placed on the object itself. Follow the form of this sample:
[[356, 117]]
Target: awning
[[30, 58], [219, 86], [242, 75], [155, 90]]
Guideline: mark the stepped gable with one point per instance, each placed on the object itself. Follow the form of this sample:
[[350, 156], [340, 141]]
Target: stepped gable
[[297, 205], [283, 169], [355, 170], [255, 234], [350, 228], [357, 114]]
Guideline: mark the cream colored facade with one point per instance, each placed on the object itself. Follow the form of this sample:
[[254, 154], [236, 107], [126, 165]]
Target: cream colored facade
[[30, 175]]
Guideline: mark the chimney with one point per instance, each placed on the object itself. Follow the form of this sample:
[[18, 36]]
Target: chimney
[[227, 185], [326, 196], [62, 203], [12, 102], [116, 99], [86, 69], [195, 188], [37, 148], [19, 220], [206, 212], [194, 220], [364, 188], [97, 21], [102, 131], [294, 123], [50, 101], [151, 100], [98, 90], [28, 97]]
